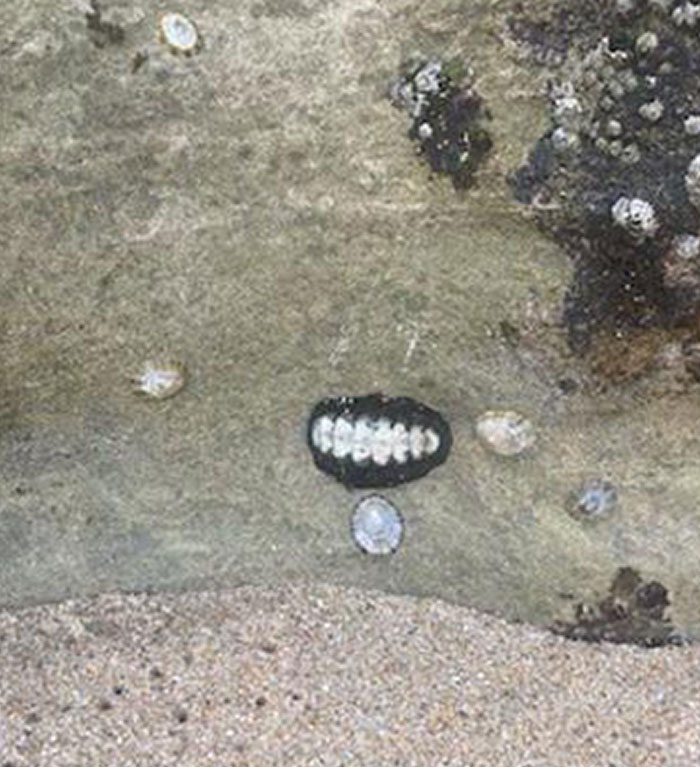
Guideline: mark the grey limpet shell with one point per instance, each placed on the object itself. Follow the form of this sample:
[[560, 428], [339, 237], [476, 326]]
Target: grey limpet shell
[[377, 526], [178, 33], [505, 432], [160, 379], [594, 499]]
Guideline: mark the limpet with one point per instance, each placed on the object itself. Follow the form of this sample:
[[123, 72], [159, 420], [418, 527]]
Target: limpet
[[160, 381], [505, 432], [377, 525], [178, 33]]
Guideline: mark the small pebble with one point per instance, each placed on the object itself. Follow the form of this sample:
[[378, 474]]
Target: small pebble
[[505, 432], [595, 498], [376, 525]]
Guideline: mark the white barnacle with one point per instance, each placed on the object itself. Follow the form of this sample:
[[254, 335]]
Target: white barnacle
[[505, 432], [686, 246], [692, 181], [428, 78], [636, 216], [651, 110], [376, 525], [647, 42], [686, 15], [160, 381], [179, 34], [691, 125]]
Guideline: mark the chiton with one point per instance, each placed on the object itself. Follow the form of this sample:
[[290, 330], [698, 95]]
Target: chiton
[[377, 441]]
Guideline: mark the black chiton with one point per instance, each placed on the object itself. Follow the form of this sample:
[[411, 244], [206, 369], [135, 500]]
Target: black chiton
[[377, 441]]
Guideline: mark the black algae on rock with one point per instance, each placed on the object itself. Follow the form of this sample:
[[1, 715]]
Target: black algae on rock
[[615, 180], [447, 116], [633, 611]]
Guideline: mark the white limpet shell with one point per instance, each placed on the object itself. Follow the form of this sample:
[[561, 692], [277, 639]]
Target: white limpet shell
[[377, 526], [160, 380], [505, 432], [179, 33]]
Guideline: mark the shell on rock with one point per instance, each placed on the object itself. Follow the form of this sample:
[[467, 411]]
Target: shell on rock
[[160, 380], [179, 34], [505, 432], [377, 525]]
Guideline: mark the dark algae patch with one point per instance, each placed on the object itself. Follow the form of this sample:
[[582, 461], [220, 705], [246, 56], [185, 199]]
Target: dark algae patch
[[632, 612], [447, 116], [613, 179]]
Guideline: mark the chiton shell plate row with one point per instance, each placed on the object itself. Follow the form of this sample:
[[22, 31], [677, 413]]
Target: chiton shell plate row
[[377, 441]]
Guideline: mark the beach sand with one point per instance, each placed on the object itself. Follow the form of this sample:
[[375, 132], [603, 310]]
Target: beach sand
[[316, 675]]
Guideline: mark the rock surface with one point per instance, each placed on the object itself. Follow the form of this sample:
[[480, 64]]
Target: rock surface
[[257, 211]]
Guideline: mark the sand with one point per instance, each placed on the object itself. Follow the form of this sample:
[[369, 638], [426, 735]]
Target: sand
[[315, 675]]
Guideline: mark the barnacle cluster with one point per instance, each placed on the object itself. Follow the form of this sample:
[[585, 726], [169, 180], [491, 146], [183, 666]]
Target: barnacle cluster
[[616, 177], [634, 611], [447, 116]]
